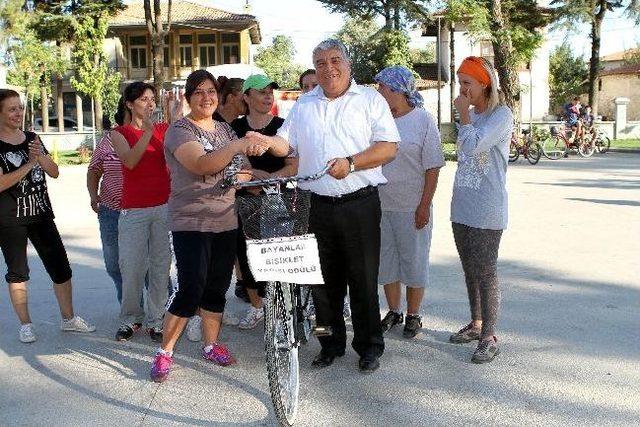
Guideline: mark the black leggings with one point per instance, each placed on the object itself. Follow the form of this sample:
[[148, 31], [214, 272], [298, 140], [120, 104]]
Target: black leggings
[[478, 250], [45, 238], [247, 278], [205, 265]]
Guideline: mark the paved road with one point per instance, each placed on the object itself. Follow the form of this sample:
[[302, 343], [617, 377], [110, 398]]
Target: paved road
[[570, 273]]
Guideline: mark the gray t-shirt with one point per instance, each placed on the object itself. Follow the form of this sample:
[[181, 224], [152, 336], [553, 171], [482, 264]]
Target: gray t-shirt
[[479, 189], [196, 202], [419, 150]]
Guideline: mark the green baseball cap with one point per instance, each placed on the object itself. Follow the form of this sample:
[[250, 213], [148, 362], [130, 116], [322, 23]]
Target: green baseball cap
[[258, 82]]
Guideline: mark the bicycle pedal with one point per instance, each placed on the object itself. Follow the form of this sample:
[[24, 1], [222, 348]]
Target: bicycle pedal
[[322, 331]]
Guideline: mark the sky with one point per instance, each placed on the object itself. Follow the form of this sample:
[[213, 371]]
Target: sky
[[307, 22]]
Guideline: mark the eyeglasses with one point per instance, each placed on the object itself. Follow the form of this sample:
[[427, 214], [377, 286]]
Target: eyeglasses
[[201, 92], [146, 99]]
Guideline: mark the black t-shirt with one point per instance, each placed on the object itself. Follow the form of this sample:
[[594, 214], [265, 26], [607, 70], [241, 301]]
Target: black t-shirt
[[267, 162], [218, 117], [27, 201]]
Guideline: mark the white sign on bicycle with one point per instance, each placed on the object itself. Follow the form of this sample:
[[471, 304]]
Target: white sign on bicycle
[[285, 259]]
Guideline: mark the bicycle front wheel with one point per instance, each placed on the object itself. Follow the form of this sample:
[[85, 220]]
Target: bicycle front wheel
[[554, 148], [281, 351], [514, 153], [534, 151], [586, 148], [603, 144]]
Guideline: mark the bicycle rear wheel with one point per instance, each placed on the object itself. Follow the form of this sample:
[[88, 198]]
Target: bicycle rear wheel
[[603, 143], [534, 151], [554, 148], [586, 148], [514, 153], [281, 351]]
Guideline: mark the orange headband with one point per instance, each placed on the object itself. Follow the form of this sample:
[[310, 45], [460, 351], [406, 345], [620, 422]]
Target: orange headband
[[474, 67]]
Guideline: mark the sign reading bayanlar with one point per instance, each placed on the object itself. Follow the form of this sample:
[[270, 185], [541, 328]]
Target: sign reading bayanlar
[[285, 259]]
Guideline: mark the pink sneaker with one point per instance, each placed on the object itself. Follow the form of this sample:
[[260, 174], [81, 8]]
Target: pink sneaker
[[219, 354], [161, 367]]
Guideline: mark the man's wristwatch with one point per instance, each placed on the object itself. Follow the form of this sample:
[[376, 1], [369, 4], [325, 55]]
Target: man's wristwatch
[[352, 165]]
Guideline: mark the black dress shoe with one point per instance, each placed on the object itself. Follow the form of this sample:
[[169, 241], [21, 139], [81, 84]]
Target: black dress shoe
[[368, 363], [323, 359]]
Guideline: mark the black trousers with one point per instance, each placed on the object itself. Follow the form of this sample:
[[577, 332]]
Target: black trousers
[[46, 240], [348, 234], [205, 265]]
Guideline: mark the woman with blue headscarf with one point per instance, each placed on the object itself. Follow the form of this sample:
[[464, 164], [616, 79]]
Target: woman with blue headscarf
[[412, 177]]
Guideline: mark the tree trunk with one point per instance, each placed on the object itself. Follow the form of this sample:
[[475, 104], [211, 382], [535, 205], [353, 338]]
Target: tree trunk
[[452, 71], [503, 59], [44, 108], [388, 21], [98, 112], [594, 63], [59, 104], [396, 15], [157, 49]]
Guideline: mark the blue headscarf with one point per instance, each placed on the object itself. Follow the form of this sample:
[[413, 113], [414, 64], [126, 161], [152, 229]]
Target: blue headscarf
[[400, 79]]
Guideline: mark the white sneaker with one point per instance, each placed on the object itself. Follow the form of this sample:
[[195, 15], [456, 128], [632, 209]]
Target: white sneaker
[[346, 311], [253, 317], [26, 333], [194, 329], [76, 324], [230, 319]]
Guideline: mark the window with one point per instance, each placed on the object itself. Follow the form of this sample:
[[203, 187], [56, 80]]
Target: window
[[230, 54], [138, 51], [207, 46], [486, 50], [599, 85], [166, 52], [231, 38], [186, 50]]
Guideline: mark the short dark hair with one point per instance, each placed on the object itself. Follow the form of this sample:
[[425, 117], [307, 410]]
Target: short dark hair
[[305, 74], [6, 94], [229, 86], [135, 90], [195, 79]]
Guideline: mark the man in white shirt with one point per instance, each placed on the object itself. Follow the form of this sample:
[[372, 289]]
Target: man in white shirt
[[349, 127]]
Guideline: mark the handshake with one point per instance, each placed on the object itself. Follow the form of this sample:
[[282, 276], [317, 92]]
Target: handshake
[[255, 144]]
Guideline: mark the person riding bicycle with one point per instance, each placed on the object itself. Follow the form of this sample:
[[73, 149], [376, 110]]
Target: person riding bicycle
[[587, 118], [572, 111]]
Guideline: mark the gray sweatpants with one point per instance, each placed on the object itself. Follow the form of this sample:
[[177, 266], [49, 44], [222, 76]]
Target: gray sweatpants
[[143, 240]]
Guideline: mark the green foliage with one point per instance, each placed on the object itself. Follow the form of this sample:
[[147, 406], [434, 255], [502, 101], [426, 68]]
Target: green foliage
[[111, 94], [277, 62], [392, 48], [423, 56], [632, 56], [91, 71], [406, 11], [567, 76]]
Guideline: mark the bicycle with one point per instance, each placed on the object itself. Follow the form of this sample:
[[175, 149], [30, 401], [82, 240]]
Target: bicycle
[[276, 214], [560, 143], [529, 149], [601, 140]]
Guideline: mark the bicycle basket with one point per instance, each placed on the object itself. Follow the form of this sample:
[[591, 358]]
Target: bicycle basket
[[274, 215]]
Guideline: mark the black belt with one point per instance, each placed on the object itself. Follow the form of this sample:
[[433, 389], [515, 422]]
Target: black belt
[[358, 194]]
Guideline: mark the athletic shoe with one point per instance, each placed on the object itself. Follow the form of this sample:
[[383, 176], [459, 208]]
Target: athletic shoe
[[392, 319], [346, 310], [26, 333], [465, 335], [253, 317], [161, 367], [194, 329], [412, 326], [230, 319], [486, 351], [219, 354], [155, 334], [76, 324], [126, 331]]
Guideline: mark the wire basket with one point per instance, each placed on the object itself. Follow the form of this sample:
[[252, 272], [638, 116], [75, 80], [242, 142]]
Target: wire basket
[[283, 214]]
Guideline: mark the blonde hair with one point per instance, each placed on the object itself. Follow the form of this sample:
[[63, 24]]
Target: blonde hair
[[492, 93]]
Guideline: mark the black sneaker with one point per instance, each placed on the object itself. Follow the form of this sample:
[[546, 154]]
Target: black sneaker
[[412, 326], [155, 334], [126, 331], [392, 319]]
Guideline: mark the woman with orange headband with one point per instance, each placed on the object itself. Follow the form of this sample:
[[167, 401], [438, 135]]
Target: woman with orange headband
[[479, 202]]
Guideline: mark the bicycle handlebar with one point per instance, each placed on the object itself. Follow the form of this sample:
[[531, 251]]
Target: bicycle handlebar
[[231, 181]]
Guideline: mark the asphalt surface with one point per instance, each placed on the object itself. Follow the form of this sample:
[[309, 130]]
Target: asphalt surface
[[570, 275]]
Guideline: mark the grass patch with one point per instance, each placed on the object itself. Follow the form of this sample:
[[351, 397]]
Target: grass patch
[[72, 157], [449, 149], [625, 143]]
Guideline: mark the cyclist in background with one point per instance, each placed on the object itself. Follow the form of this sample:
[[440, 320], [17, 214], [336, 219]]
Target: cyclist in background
[[572, 111]]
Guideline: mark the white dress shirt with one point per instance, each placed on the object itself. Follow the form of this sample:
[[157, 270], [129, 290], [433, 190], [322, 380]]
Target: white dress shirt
[[319, 129]]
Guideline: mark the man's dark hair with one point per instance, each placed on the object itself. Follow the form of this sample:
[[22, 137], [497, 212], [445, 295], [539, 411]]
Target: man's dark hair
[[305, 74]]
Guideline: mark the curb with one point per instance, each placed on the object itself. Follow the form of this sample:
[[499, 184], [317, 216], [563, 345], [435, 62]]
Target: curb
[[625, 150]]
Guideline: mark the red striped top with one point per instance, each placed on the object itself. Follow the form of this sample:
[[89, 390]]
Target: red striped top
[[105, 160]]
